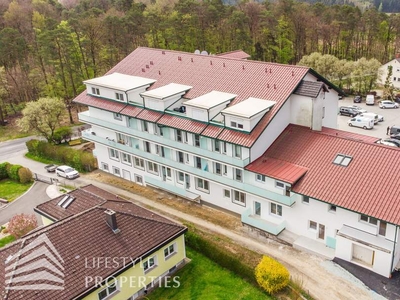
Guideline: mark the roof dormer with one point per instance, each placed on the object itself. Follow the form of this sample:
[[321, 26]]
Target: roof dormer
[[206, 107], [119, 87], [164, 97], [247, 113]]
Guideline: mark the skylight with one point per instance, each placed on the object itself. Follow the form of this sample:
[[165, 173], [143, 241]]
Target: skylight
[[342, 160], [65, 201]]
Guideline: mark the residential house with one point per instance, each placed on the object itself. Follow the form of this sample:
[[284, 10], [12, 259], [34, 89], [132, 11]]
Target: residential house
[[97, 250], [204, 127], [383, 72]]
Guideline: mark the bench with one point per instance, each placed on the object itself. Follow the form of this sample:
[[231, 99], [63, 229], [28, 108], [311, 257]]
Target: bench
[[75, 142]]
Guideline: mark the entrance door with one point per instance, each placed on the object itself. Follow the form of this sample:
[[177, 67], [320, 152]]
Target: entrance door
[[126, 174], [321, 232]]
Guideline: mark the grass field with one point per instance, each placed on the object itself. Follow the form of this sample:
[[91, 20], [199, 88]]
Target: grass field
[[6, 240], [10, 190], [204, 279]]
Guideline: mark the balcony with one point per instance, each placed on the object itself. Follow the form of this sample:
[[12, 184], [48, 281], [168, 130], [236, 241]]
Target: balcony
[[270, 224]]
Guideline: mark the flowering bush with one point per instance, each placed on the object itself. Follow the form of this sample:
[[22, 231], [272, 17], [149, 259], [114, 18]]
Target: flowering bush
[[20, 225], [271, 275]]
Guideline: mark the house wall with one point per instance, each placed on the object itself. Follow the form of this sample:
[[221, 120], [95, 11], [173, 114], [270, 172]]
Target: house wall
[[160, 104], [135, 279], [331, 104], [383, 72], [301, 110]]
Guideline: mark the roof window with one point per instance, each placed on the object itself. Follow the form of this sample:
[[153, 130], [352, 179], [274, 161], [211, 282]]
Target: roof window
[[342, 160]]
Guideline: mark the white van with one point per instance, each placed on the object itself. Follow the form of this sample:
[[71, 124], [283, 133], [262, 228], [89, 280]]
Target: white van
[[370, 100], [371, 116], [363, 122]]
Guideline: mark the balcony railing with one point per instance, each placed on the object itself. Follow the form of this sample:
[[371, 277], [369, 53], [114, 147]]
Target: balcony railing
[[270, 224]]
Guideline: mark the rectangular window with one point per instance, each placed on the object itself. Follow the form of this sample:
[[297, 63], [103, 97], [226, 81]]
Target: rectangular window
[[382, 228], [257, 208], [123, 139], [114, 154], [279, 184], [239, 198], [139, 163], [224, 146], [197, 140], [233, 124], [227, 194], [126, 158], [170, 250], [116, 171], [238, 151], [108, 291], [332, 208], [145, 126], [225, 169], [150, 263], [202, 185], [369, 220], [306, 199], [104, 167], [118, 116], [158, 130], [313, 225], [216, 146], [119, 96], [95, 91], [185, 137], [276, 209], [240, 126], [168, 172], [217, 168], [238, 175], [187, 158], [147, 147], [260, 178], [160, 150], [198, 162], [152, 167], [179, 135], [180, 177], [180, 157]]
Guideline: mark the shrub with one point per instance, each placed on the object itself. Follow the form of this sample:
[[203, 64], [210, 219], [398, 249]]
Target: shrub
[[20, 225], [13, 172], [25, 175], [3, 170], [62, 134], [271, 275]]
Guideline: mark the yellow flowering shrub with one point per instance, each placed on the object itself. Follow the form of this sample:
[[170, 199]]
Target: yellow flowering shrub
[[271, 275]]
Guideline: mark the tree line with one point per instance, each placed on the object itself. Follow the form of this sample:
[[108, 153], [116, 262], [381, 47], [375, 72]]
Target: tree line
[[47, 48]]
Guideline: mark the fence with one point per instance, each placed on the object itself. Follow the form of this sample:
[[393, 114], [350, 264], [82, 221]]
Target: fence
[[43, 178]]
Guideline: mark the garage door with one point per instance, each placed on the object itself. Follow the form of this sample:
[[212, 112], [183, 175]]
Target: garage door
[[363, 254]]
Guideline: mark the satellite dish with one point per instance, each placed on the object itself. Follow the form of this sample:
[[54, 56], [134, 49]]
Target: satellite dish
[[204, 52], [197, 51]]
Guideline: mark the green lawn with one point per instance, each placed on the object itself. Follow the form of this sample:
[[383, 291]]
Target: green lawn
[[204, 279], [6, 240], [10, 190]]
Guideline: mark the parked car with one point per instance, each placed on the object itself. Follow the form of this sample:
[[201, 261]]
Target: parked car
[[372, 116], [394, 141], [394, 130], [357, 99], [67, 172], [395, 136], [383, 142], [388, 104], [359, 109], [363, 122], [348, 111]]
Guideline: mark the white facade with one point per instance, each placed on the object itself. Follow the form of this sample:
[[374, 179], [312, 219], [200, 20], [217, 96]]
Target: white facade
[[383, 73]]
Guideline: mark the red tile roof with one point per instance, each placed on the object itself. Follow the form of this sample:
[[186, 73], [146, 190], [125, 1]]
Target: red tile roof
[[86, 236], [149, 115], [368, 185], [182, 123], [240, 54], [278, 169], [131, 111], [109, 105]]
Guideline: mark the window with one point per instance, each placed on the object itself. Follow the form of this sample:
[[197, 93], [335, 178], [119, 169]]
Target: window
[[95, 91], [168, 170], [369, 220], [114, 154], [276, 209], [179, 135], [342, 160], [180, 177], [313, 225], [116, 171], [332, 208], [118, 116], [139, 163], [180, 156], [224, 147], [147, 147], [240, 126], [123, 139], [227, 194], [152, 167], [197, 140], [238, 151], [239, 198], [150, 263], [138, 179], [187, 158], [145, 126], [225, 170], [306, 199], [119, 96], [158, 130], [104, 166], [198, 162], [185, 137], [160, 150], [171, 249], [236, 125], [238, 175], [217, 168], [382, 228], [108, 291], [260, 178], [257, 208], [279, 184], [216, 146], [202, 185], [233, 124], [126, 159]]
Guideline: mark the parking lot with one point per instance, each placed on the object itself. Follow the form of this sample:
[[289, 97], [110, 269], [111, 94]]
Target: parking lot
[[391, 117]]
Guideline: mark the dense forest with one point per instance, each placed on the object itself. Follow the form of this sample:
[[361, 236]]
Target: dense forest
[[48, 48]]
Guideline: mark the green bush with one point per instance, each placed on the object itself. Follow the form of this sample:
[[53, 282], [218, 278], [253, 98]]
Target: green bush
[[219, 256], [271, 275], [13, 172], [3, 170], [62, 134], [25, 175]]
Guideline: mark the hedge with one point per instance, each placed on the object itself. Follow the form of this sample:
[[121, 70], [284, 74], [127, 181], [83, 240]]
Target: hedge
[[3, 170], [15, 172], [78, 159]]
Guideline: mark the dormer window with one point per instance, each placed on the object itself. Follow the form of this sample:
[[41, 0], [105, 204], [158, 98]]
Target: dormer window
[[236, 125], [95, 91], [119, 96]]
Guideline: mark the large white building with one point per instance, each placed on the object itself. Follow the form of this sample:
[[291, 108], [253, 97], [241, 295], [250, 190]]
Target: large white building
[[254, 138], [384, 70]]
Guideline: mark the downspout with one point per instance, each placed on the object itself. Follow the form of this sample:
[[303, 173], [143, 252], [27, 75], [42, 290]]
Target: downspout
[[394, 246]]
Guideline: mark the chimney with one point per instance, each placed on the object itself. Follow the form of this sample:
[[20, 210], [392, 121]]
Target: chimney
[[111, 219]]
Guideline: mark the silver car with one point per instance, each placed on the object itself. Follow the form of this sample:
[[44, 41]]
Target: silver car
[[67, 172]]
